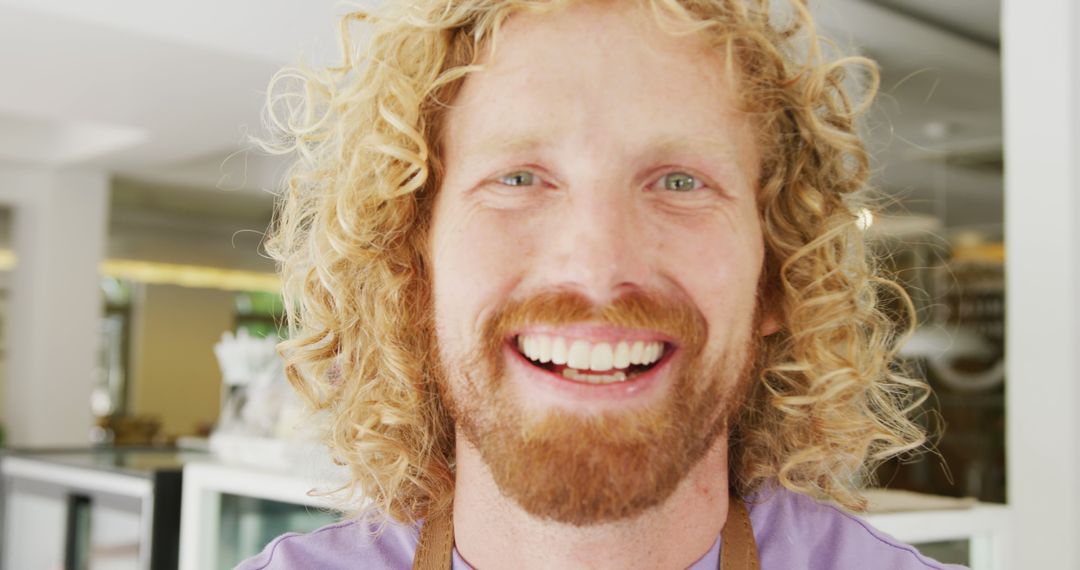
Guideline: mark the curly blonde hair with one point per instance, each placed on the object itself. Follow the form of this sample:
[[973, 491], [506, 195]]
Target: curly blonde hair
[[827, 404]]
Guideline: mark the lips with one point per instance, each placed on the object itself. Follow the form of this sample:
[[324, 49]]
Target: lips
[[591, 361]]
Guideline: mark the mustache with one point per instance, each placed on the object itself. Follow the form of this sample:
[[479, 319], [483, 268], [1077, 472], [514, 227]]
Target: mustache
[[639, 309]]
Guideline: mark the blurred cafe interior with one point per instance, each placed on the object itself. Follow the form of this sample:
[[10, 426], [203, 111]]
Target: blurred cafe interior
[[144, 413]]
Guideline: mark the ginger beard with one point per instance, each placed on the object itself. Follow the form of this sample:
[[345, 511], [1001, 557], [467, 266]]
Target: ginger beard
[[584, 470]]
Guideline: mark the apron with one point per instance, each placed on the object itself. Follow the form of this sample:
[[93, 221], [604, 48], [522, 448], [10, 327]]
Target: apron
[[738, 551]]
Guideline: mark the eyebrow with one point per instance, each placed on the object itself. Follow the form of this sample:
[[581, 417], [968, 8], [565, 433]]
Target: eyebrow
[[505, 143], [710, 148], [720, 154]]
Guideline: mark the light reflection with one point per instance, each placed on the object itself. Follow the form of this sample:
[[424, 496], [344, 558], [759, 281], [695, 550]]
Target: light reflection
[[175, 274]]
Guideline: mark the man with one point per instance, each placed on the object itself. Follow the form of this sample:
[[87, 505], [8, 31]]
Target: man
[[578, 285]]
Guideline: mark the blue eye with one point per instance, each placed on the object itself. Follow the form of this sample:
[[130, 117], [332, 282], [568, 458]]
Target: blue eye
[[519, 178], [680, 182]]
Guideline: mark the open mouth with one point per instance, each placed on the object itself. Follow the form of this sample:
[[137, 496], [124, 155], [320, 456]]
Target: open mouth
[[592, 362]]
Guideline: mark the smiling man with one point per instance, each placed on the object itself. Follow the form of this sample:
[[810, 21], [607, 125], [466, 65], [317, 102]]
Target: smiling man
[[579, 285]]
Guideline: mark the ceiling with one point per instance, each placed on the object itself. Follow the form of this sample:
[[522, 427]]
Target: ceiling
[[977, 20], [167, 93], [170, 89], [936, 129]]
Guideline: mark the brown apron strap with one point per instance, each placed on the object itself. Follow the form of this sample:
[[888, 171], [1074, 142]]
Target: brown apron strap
[[738, 550], [436, 547]]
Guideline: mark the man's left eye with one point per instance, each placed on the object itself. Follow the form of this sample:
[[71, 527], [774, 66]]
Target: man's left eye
[[519, 178], [679, 182]]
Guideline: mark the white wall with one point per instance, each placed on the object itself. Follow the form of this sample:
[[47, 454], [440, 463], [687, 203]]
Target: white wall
[[1041, 59], [54, 317]]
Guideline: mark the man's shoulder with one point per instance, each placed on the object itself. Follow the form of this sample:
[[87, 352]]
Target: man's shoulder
[[340, 545], [796, 531]]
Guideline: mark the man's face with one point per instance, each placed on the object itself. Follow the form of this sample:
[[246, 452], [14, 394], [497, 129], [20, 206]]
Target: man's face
[[595, 253]]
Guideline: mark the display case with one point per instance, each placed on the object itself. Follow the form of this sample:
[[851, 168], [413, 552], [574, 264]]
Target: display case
[[230, 512], [109, 508], [959, 531]]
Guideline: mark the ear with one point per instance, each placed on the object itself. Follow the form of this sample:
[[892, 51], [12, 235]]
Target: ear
[[769, 310], [768, 324]]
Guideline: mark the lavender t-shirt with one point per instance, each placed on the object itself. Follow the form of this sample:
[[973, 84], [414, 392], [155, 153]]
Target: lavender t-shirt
[[792, 531]]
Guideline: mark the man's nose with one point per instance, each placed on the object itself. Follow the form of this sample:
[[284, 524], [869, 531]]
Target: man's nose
[[600, 247]]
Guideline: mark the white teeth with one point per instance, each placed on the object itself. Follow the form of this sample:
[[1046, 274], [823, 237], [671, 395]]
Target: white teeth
[[584, 355], [593, 378], [558, 351], [579, 355], [621, 359], [601, 358], [543, 349], [536, 348], [652, 354]]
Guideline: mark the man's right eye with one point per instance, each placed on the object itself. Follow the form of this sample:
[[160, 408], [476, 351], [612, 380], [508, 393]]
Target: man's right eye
[[518, 178]]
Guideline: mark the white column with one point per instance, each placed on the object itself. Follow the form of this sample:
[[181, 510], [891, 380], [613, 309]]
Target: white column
[[1041, 60], [54, 315]]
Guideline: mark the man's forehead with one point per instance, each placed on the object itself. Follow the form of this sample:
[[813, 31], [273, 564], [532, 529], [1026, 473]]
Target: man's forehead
[[617, 35], [599, 74], [512, 125]]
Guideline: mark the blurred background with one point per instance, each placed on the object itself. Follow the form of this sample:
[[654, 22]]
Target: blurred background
[[135, 297]]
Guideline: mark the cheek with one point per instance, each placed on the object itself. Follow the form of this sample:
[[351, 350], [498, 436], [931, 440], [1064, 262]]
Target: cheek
[[476, 262], [720, 268]]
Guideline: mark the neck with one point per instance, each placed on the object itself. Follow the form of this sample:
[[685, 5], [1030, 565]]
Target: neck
[[492, 531]]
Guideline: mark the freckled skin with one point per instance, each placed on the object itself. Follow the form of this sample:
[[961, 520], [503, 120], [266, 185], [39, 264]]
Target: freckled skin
[[600, 106]]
